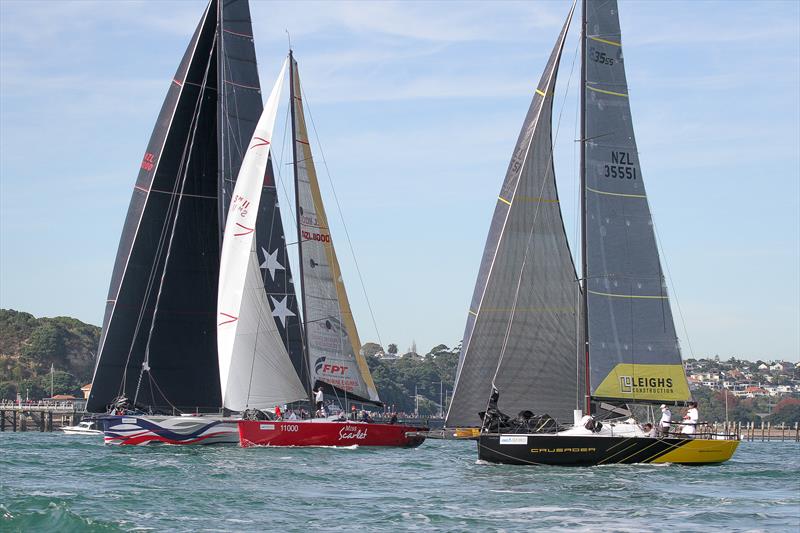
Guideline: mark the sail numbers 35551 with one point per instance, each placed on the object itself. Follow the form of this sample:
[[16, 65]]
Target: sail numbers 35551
[[622, 166]]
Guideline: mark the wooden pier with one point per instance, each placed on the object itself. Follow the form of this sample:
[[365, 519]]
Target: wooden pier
[[766, 432], [38, 416]]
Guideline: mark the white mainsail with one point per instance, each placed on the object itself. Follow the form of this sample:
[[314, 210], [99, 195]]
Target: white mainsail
[[254, 367]]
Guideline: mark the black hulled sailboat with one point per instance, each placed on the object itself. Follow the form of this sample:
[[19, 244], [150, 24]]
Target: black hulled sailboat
[[537, 340], [158, 349]]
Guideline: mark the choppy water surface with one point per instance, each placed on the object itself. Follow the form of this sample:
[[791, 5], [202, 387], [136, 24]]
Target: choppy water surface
[[54, 482]]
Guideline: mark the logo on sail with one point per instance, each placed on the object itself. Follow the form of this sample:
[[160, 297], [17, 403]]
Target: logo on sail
[[320, 366], [658, 385]]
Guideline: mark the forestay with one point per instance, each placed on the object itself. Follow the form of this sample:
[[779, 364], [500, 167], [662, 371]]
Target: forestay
[[522, 325], [332, 339], [633, 348], [255, 369]]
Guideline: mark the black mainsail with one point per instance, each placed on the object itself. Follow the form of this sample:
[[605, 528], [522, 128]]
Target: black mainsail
[[522, 326], [633, 349], [158, 345]]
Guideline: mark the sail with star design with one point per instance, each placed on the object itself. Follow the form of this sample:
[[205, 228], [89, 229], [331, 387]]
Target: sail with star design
[[521, 327], [254, 364], [332, 340]]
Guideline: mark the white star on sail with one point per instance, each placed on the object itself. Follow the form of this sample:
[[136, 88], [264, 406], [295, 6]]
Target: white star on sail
[[280, 310], [271, 262]]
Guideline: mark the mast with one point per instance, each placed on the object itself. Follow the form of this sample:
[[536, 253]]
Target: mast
[[631, 341], [304, 320], [584, 266]]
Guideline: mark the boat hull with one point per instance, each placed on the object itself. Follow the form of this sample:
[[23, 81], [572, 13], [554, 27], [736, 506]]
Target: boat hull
[[75, 430], [179, 430], [326, 433], [564, 450]]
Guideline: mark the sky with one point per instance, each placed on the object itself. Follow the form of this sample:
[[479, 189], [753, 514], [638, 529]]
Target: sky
[[417, 106]]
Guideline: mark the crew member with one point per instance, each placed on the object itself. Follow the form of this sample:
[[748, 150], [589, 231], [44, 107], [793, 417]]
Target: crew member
[[649, 430], [319, 398], [666, 419], [690, 419]]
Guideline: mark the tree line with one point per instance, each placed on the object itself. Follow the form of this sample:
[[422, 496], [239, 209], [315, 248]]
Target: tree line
[[30, 347]]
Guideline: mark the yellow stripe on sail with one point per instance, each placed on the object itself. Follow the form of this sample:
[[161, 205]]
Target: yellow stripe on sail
[[473, 312], [628, 295], [603, 91], [616, 193], [539, 91], [503, 200], [599, 40]]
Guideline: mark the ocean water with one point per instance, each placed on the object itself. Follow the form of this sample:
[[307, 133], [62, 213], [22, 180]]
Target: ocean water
[[54, 482]]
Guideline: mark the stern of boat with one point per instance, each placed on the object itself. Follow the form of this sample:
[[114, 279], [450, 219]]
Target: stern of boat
[[181, 430]]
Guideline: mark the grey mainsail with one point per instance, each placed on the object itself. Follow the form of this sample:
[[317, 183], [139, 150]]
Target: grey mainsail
[[521, 328], [332, 343], [633, 349]]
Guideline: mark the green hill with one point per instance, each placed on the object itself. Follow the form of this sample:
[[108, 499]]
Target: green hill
[[30, 345]]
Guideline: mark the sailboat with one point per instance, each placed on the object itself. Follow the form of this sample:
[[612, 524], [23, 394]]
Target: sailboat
[[334, 360], [156, 377], [592, 350], [202, 321]]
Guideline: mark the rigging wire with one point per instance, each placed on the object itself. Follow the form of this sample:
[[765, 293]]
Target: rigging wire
[[671, 282]]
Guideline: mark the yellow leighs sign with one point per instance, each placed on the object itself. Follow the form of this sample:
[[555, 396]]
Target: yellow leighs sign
[[645, 382]]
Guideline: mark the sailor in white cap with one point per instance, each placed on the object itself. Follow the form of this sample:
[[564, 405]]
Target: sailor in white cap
[[666, 418]]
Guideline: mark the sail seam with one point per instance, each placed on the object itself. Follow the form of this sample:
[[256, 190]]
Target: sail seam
[[628, 295], [170, 193], [616, 193], [603, 91], [599, 40]]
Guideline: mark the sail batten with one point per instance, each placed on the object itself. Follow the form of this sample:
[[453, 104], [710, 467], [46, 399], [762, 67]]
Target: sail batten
[[521, 326], [633, 347]]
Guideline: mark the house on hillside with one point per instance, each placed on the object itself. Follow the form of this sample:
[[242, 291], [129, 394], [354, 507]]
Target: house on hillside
[[86, 389], [752, 392]]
